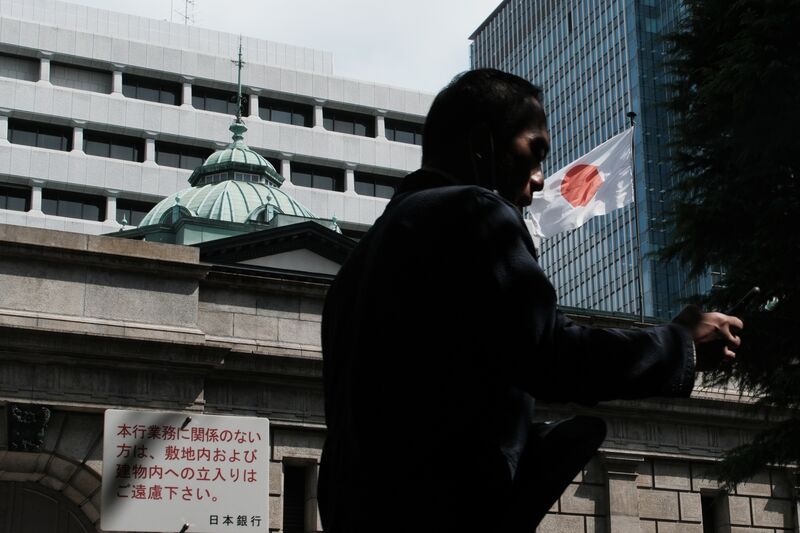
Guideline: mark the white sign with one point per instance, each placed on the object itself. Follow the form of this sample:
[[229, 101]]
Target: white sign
[[162, 471]]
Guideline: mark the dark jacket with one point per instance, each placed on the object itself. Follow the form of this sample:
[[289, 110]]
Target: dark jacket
[[436, 334]]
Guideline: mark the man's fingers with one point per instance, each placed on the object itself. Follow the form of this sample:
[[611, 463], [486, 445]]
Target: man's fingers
[[736, 322], [723, 320], [730, 337], [729, 354]]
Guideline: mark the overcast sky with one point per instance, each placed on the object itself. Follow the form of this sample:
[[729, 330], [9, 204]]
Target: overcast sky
[[417, 44]]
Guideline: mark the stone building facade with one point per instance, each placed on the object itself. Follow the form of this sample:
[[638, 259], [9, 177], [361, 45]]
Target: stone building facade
[[89, 323]]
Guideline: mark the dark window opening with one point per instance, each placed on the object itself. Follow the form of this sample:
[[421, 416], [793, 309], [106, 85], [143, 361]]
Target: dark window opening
[[80, 77], [294, 499], [15, 198], [326, 178], [346, 122], [375, 185], [73, 205], [275, 162], [151, 89], [131, 212], [708, 505], [286, 112], [19, 67], [218, 101], [180, 156], [114, 146], [404, 132], [40, 135]]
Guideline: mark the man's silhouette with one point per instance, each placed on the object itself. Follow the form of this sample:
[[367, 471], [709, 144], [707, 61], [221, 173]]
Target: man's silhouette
[[441, 329]]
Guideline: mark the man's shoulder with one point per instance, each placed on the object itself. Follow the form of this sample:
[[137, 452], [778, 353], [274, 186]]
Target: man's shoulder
[[452, 201]]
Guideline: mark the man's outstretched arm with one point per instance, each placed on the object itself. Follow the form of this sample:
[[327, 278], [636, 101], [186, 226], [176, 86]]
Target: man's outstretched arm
[[557, 360]]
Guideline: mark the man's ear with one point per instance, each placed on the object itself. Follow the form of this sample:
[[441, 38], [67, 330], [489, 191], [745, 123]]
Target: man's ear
[[480, 143], [479, 140]]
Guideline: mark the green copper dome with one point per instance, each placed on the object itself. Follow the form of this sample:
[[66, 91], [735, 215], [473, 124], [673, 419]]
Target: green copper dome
[[233, 185], [234, 192], [229, 201], [236, 162]]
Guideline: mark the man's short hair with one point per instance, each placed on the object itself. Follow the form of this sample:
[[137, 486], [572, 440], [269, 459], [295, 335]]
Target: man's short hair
[[485, 98]]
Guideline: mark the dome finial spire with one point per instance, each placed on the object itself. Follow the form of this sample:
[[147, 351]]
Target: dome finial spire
[[238, 128], [239, 64]]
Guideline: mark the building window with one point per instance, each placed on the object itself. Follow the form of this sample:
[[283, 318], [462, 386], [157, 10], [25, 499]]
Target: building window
[[73, 205], [115, 146], [710, 510], [40, 135], [346, 122], [151, 89], [131, 212], [285, 112], [180, 156], [219, 177], [326, 178], [294, 499], [19, 67], [275, 162], [81, 78], [217, 101], [300, 509], [404, 132], [15, 198], [375, 185]]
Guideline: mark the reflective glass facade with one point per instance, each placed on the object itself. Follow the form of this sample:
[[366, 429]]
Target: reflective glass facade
[[596, 60]]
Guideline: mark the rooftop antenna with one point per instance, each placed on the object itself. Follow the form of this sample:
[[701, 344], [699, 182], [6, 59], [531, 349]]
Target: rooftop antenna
[[188, 12], [239, 63]]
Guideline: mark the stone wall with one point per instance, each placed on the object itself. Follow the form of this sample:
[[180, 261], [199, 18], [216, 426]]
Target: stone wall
[[584, 505], [90, 323], [668, 496]]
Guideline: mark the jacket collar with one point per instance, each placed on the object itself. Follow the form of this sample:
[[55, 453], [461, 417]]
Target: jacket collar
[[426, 178]]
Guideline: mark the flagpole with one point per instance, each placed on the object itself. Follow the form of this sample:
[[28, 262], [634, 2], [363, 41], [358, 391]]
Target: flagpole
[[639, 275]]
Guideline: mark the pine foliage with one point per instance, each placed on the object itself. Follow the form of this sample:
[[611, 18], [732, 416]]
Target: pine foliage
[[737, 208]]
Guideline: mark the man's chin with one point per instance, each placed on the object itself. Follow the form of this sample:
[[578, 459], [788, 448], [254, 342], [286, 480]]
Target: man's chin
[[523, 200]]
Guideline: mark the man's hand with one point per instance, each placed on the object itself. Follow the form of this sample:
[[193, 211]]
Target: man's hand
[[715, 336]]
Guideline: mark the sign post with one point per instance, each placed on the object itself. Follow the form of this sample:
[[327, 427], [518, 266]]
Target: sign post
[[175, 472]]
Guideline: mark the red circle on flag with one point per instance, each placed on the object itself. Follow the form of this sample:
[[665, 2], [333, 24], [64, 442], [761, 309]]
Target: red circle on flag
[[580, 184]]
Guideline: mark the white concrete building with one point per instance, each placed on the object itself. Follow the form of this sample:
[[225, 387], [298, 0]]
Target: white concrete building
[[102, 114]]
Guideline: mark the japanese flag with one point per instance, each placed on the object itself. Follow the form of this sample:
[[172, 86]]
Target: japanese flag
[[590, 186]]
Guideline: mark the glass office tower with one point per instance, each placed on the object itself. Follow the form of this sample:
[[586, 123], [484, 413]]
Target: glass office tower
[[596, 60]]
